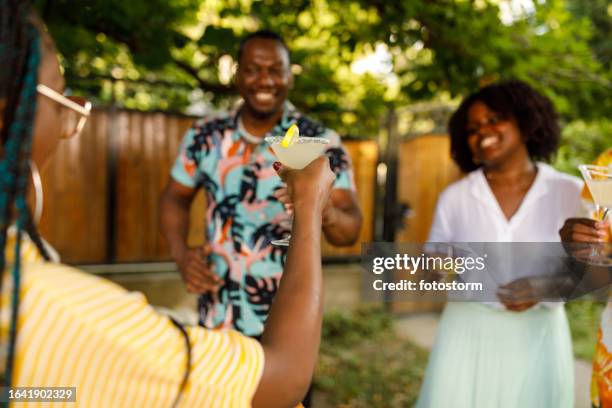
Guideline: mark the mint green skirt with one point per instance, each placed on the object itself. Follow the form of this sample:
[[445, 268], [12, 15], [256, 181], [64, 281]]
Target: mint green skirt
[[490, 358]]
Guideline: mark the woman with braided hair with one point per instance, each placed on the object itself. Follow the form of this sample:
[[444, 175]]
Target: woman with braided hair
[[65, 328]]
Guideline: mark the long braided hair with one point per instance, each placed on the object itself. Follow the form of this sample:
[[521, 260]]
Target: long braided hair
[[20, 55]]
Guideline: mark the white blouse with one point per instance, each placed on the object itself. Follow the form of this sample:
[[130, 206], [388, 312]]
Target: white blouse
[[467, 211]]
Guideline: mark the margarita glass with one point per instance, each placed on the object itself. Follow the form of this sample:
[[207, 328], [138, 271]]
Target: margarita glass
[[297, 155], [599, 181]]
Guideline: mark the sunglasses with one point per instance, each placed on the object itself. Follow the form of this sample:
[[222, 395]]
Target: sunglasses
[[79, 110]]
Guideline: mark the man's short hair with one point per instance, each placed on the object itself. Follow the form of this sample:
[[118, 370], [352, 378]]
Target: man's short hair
[[264, 34]]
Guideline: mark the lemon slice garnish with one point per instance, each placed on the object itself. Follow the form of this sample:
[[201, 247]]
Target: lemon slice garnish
[[291, 136]]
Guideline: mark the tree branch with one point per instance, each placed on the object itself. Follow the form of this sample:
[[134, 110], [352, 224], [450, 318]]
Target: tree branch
[[204, 85]]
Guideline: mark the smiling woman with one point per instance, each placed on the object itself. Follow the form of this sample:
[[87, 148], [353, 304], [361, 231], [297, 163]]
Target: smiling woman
[[514, 352], [513, 114]]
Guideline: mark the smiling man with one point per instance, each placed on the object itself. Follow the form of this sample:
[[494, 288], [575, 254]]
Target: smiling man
[[238, 270]]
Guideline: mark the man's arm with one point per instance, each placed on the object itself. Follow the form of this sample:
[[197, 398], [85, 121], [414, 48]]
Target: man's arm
[[341, 215], [292, 332], [342, 218], [174, 208]]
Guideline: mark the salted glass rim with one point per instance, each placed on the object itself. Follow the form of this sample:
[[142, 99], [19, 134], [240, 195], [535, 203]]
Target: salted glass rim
[[588, 169], [300, 140]]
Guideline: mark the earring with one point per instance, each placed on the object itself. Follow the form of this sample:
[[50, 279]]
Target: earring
[[38, 191]]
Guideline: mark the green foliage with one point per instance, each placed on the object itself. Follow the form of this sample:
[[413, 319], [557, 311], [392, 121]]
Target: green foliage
[[599, 12], [437, 49], [583, 142], [363, 364], [103, 43], [465, 46], [584, 317]]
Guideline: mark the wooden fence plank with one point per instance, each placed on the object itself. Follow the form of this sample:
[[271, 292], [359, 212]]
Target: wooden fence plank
[[425, 169], [74, 185]]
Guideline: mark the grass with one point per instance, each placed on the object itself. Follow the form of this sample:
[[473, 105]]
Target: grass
[[584, 316], [364, 364]]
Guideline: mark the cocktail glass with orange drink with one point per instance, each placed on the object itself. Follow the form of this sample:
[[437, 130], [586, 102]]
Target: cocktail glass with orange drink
[[599, 181]]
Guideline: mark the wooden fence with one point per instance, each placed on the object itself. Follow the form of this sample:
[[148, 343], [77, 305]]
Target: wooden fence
[[124, 157], [425, 170]]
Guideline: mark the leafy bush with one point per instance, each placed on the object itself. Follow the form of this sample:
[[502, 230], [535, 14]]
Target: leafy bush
[[584, 316], [582, 142]]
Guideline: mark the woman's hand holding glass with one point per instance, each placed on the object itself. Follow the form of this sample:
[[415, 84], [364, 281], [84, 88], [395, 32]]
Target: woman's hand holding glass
[[586, 239], [585, 230], [307, 189]]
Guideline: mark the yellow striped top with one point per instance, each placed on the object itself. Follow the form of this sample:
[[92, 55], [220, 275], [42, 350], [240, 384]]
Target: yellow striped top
[[78, 330]]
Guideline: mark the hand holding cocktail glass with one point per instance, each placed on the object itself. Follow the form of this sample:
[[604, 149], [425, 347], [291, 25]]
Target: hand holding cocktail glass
[[308, 189], [311, 186], [596, 231], [296, 153]]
